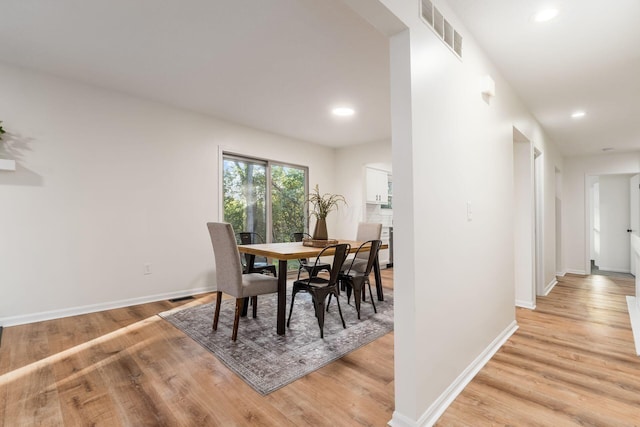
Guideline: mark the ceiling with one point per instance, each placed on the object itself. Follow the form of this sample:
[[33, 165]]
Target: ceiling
[[587, 58], [276, 65], [281, 65]]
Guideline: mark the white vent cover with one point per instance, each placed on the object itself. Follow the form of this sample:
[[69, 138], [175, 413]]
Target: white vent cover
[[437, 22], [427, 11]]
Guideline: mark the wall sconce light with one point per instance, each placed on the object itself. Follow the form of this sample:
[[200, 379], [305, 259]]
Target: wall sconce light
[[488, 86]]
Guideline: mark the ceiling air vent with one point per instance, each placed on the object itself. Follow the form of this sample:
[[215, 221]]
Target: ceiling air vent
[[427, 11], [457, 43], [437, 22]]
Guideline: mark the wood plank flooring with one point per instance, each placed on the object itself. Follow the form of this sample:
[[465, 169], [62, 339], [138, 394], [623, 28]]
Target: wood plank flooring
[[572, 362], [128, 367]]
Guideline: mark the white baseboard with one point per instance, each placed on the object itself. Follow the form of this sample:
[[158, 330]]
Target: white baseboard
[[580, 272], [560, 274], [549, 287], [92, 308], [431, 415], [634, 316], [525, 304]]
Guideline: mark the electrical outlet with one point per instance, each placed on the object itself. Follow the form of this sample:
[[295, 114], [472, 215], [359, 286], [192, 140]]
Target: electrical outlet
[[147, 269], [469, 212]]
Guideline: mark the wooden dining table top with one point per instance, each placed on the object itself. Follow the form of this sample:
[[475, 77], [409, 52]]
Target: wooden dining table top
[[293, 250]]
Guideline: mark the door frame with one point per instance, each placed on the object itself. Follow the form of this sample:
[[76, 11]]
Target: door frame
[[587, 212]]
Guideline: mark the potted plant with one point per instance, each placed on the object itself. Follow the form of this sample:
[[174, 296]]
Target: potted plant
[[320, 206]]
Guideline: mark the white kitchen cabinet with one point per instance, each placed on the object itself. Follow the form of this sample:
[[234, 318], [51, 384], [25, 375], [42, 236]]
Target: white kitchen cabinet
[[377, 186]]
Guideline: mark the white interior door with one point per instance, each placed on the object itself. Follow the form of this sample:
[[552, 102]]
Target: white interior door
[[634, 214], [614, 223]]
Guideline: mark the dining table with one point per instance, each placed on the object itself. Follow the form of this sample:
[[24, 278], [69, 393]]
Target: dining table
[[286, 251]]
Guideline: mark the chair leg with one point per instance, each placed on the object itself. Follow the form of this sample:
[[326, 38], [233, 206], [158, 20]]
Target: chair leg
[[357, 293], [371, 295], [349, 289], [254, 301], [216, 314], [245, 308], [293, 298], [318, 302], [344, 326], [236, 319]]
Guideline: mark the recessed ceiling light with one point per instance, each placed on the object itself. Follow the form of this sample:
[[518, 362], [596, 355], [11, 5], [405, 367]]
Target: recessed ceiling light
[[343, 111], [545, 15], [578, 114]]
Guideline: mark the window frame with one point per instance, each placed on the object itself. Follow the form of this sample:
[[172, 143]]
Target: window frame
[[268, 163]]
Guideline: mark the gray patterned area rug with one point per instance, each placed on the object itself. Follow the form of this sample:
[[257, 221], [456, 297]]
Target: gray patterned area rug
[[268, 361]]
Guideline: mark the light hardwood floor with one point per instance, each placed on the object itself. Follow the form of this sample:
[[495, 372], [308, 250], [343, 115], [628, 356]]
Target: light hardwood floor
[[128, 367], [572, 362]]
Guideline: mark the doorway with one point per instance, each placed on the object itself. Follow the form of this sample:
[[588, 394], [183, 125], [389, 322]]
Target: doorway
[[610, 211], [538, 172], [524, 221]]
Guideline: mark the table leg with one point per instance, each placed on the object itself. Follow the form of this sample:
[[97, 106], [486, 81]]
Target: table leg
[[282, 295], [376, 272]]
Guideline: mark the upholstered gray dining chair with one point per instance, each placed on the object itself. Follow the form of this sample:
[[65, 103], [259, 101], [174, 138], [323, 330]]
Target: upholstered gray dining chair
[[229, 277], [366, 231]]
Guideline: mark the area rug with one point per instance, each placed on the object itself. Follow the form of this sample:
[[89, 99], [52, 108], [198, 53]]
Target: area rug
[[268, 361]]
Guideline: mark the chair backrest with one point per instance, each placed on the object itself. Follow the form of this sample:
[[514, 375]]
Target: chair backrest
[[372, 247], [225, 250], [368, 231], [341, 252], [297, 237], [250, 237]]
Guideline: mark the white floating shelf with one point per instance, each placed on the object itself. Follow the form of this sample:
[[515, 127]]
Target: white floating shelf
[[7, 165]]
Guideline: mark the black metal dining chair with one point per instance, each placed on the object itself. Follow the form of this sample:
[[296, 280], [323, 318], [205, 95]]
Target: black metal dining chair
[[252, 263], [354, 280], [310, 268], [321, 288]]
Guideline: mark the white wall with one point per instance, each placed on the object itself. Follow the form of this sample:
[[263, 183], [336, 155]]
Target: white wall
[[454, 277], [576, 170], [106, 183], [615, 249], [524, 219], [350, 181]]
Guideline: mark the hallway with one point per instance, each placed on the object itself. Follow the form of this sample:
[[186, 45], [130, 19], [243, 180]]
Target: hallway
[[571, 362]]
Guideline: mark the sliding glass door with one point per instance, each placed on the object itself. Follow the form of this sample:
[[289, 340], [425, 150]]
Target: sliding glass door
[[264, 197], [244, 194], [288, 195]]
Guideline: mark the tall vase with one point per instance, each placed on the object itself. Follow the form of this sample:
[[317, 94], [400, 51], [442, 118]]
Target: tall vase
[[320, 232]]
